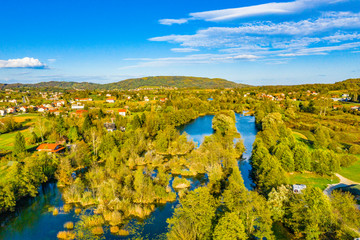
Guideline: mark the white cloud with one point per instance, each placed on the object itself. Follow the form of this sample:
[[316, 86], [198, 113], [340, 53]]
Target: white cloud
[[189, 59], [255, 10], [235, 36], [52, 60], [340, 37], [321, 50], [170, 22], [25, 62], [184, 50], [245, 57]]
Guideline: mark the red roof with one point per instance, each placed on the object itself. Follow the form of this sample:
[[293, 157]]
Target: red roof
[[122, 110], [50, 147], [81, 111]]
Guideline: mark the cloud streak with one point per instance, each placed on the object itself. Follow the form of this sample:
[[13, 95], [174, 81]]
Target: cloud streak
[[25, 62], [273, 8]]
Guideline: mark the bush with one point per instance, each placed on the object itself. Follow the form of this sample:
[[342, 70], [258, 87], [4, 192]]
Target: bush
[[97, 230], [354, 149], [69, 225], [55, 211], [181, 183], [114, 229], [347, 159], [123, 232], [65, 235]]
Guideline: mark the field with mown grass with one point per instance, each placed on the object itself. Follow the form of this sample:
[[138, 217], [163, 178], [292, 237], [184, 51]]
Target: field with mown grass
[[7, 140], [352, 172], [312, 179]]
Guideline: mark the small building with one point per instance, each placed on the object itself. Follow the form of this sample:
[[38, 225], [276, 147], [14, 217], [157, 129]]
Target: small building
[[110, 100], [41, 109], [59, 103], [146, 99], [10, 110], [2, 112], [56, 112], [110, 127], [337, 107], [77, 106], [355, 108], [297, 188], [50, 147], [23, 109], [163, 100], [108, 95], [81, 113], [122, 112]]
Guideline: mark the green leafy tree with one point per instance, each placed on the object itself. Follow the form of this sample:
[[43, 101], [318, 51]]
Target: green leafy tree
[[19, 146], [230, 227], [193, 219], [86, 124]]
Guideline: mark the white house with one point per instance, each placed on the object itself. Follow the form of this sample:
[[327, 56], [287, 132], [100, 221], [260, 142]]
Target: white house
[[2, 112], [77, 106], [110, 100], [42, 109], [146, 99], [108, 95], [122, 112], [10, 110], [23, 109]]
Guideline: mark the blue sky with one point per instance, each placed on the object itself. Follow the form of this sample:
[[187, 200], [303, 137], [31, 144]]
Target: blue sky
[[256, 42]]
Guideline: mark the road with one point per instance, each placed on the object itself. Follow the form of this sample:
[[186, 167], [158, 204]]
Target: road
[[343, 183]]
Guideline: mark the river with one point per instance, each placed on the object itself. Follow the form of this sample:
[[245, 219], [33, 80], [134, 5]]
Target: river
[[32, 220]]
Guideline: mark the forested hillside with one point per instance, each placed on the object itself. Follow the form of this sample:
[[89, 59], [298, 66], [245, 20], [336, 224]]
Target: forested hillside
[[146, 82]]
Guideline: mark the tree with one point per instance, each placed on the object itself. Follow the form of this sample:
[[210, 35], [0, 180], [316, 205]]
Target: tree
[[301, 158], [309, 213], [40, 124], [86, 124], [19, 146], [230, 227], [345, 210], [193, 219], [136, 122], [278, 199], [73, 134], [60, 126]]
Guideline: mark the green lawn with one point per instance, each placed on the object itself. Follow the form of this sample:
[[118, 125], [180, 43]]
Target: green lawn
[[352, 172], [312, 179], [7, 140]]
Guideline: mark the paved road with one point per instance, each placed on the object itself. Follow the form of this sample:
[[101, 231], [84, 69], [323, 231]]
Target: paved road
[[343, 183]]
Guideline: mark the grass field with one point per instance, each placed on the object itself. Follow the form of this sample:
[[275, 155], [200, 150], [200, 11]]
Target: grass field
[[7, 140], [299, 135], [311, 179], [352, 172]]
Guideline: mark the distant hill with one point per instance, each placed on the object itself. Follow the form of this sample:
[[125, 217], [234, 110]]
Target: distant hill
[[160, 81]]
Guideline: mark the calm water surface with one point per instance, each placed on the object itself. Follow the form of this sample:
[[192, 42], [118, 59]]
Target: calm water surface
[[32, 219]]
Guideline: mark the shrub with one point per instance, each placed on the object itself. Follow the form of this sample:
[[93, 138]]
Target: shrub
[[69, 225], [55, 211], [65, 235], [97, 230], [123, 232]]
